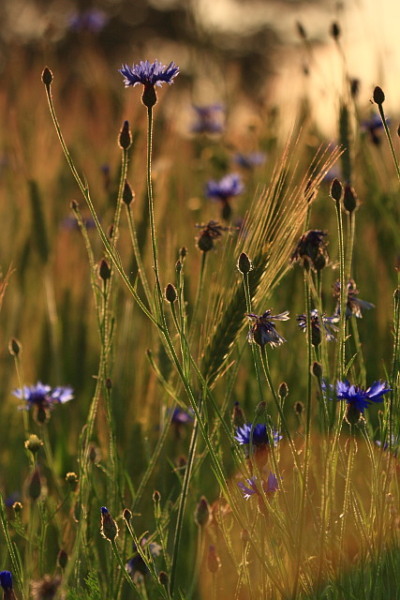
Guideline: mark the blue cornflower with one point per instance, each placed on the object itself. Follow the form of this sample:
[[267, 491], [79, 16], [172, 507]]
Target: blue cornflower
[[181, 417], [6, 580], [251, 486], [92, 20], [319, 324], [43, 398], [209, 119], [224, 190], [259, 436], [372, 126], [358, 397], [249, 161], [263, 331], [149, 74]]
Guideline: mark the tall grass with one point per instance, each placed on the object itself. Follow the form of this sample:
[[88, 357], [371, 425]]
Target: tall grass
[[108, 288]]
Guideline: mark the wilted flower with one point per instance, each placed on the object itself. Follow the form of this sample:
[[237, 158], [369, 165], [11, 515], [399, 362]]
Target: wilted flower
[[257, 435], [252, 486], [224, 190], [354, 305], [92, 20], [45, 588], [249, 161], [209, 119], [263, 331], [6, 584], [319, 324], [210, 233], [356, 398], [43, 398], [311, 250]]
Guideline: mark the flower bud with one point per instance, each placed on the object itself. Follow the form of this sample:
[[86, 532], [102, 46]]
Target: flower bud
[[108, 527], [33, 444], [72, 479], [14, 347], [125, 137], [104, 270], [163, 578], [170, 293], [127, 514], [47, 76], [127, 194], [202, 512], [35, 485], [244, 264], [349, 198], [336, 190], [283, 390], [62, 559], [378, 96], [316, 369], [213, 560]]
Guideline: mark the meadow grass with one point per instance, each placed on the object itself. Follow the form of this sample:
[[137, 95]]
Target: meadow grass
[[161, 477]]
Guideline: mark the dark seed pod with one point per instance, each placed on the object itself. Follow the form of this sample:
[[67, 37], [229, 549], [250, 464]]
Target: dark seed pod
[[125, 136], [47, 76], [336, 190], [170, 293], [244, 264], [349, 198]]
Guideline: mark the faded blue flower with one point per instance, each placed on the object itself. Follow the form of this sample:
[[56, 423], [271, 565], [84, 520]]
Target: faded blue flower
[[92, 20], [149, 74], [249, 161], [259, 436], [43, 395], [354, 305], [319, 324], [251, 486], [209, 119], [373, 125], [263, 330], [181, 417], [224, 189]]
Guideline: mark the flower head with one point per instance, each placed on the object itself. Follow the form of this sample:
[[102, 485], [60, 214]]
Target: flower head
[[263, 330], [257, 435], [209, 119], [149, 74], [354, 305], [372, 126], [357, 398], [224, 189], [319, 324], [91, 20], [249, 161], [252, 487], [43, 398], [311, 250]]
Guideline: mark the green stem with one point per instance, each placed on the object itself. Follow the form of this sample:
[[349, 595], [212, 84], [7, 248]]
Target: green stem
[[389, 137], [343, 294]]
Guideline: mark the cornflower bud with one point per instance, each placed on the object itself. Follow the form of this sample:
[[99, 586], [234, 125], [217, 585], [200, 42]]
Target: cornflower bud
[[108, 528]]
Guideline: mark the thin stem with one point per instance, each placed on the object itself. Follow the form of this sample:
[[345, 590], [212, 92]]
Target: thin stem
[[389, 137], [343, 293]]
